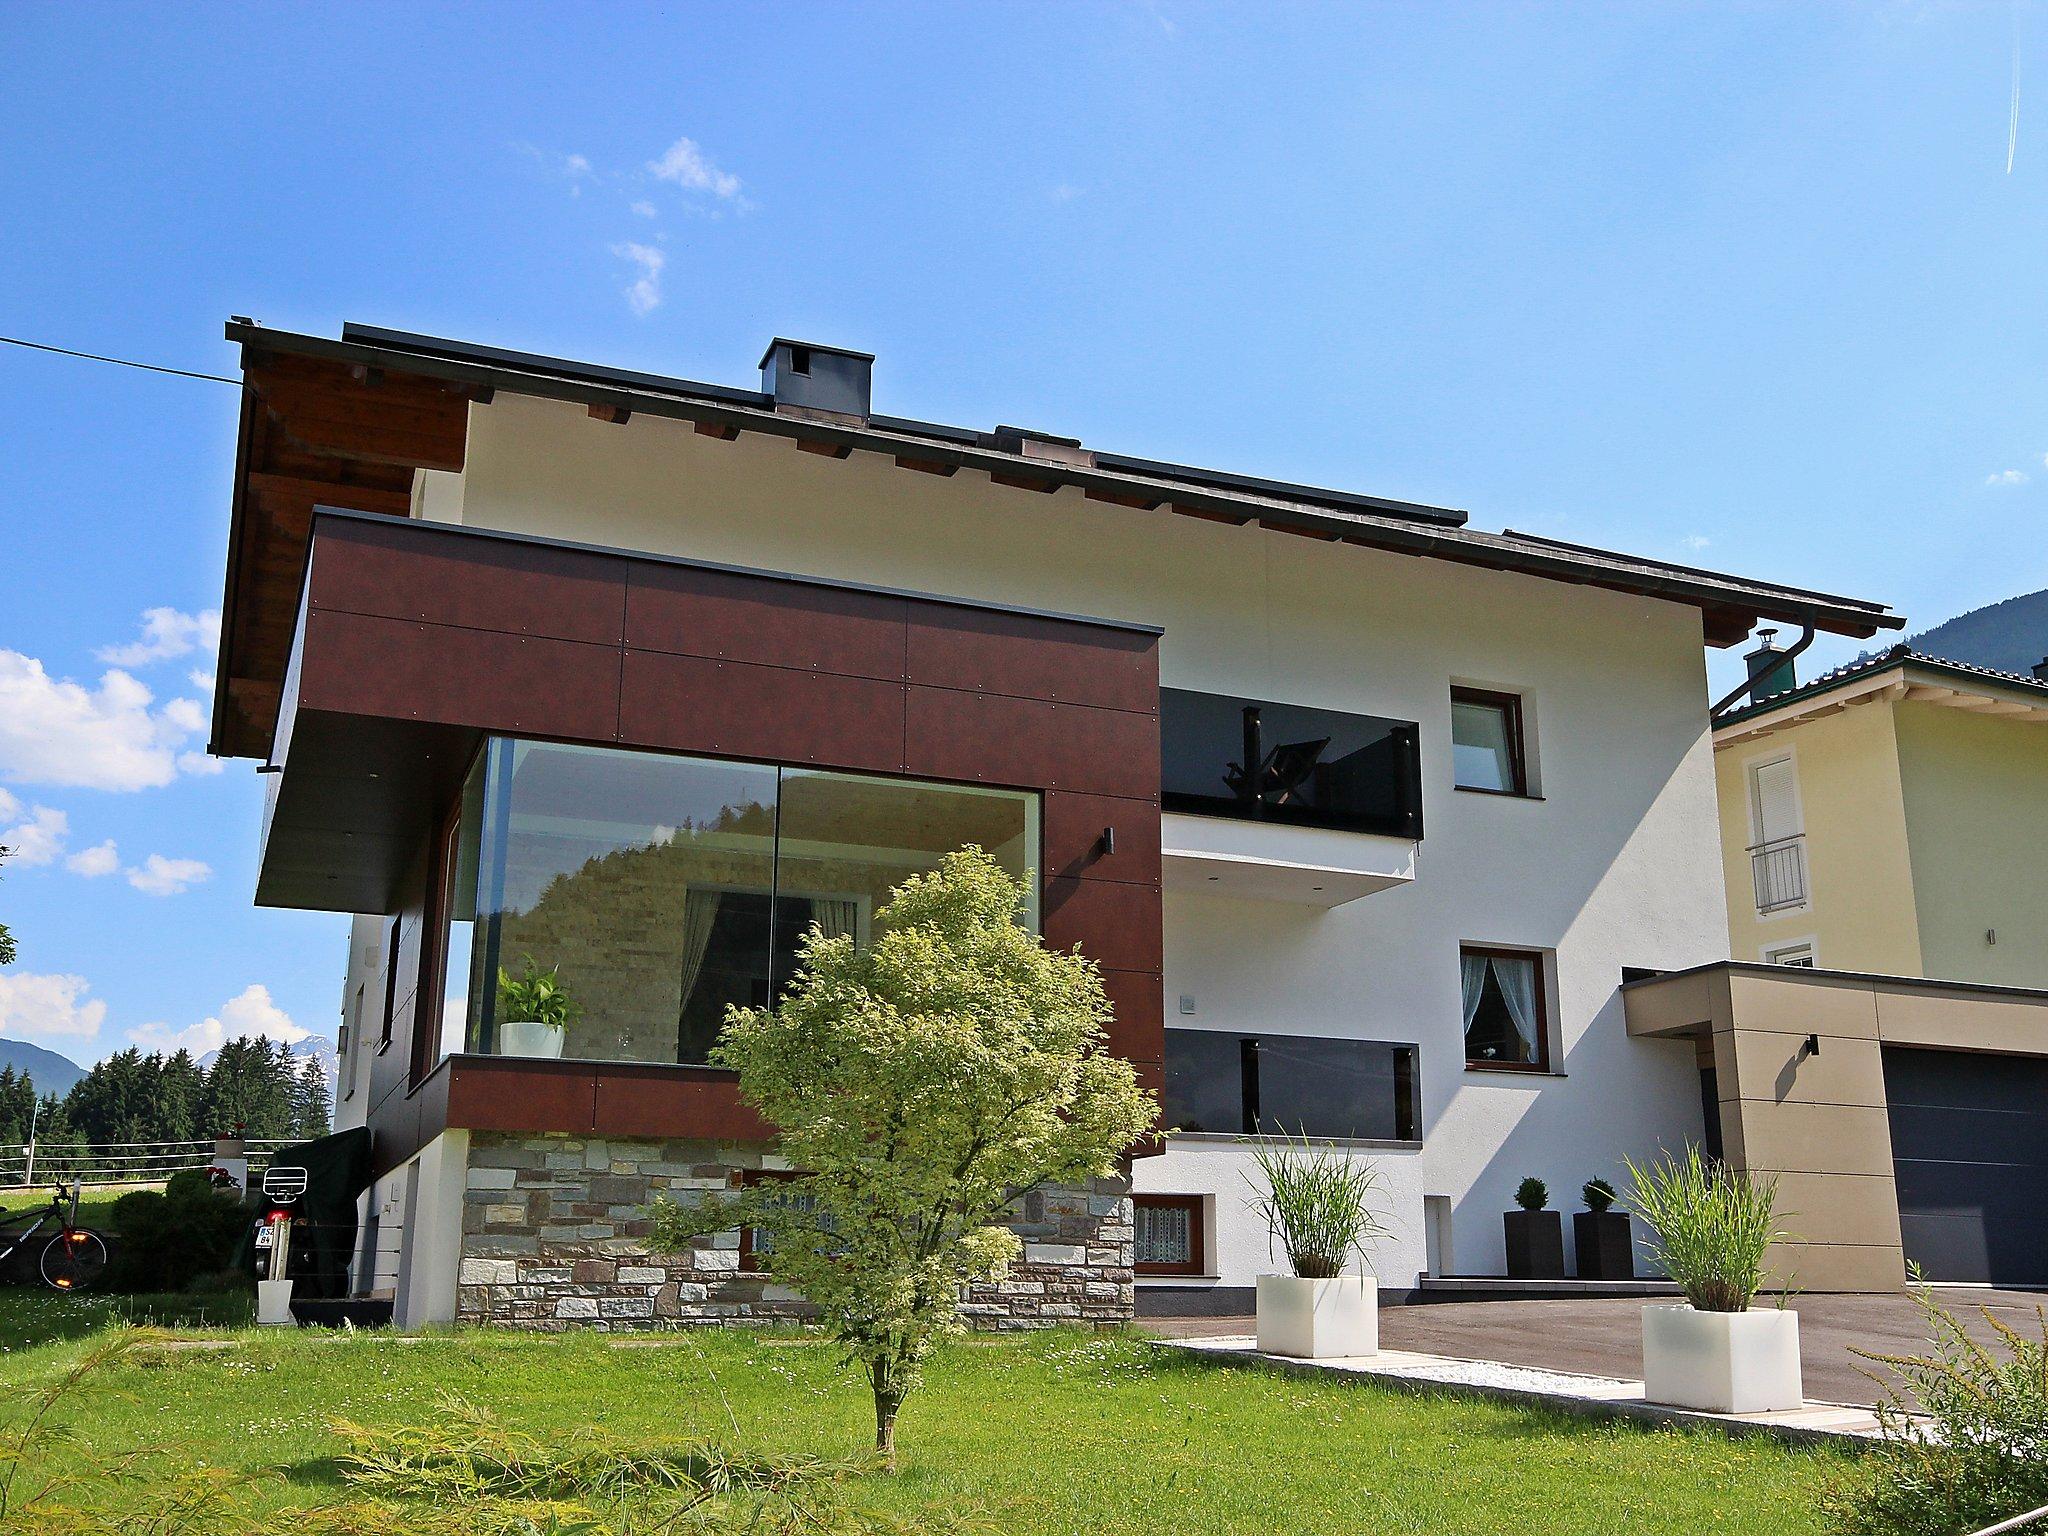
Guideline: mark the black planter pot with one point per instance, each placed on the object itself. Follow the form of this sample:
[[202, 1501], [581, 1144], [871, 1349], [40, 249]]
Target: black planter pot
[[1605, 1245], [1535, 1245]]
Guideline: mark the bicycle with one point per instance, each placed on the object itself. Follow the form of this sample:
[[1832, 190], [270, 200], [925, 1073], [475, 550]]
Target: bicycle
[[74, 1259]]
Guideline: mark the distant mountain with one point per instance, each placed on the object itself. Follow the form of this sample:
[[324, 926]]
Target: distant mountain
[[50, 1072], [2010, 636]]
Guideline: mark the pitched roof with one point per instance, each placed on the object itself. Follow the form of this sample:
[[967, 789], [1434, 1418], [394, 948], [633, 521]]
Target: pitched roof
[[1966, 676], [344, 422]]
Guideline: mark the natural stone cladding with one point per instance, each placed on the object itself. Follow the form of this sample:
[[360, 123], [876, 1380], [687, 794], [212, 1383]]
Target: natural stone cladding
[[555, 1236]]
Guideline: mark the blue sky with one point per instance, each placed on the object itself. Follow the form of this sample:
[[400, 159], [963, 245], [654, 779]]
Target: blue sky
[[1748, 286]]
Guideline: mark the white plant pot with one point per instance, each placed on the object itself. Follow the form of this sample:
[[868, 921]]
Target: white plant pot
[[273, 1303], [529, 1037], [1319, 1319], [1722, 1362]]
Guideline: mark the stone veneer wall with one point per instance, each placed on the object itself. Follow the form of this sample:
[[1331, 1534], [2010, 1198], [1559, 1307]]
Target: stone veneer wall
[[554, 1235]]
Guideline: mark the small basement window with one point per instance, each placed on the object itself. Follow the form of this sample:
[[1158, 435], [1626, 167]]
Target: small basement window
[[1168, 1235]]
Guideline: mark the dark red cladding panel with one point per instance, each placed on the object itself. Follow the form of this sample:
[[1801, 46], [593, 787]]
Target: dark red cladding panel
[[691, 704], [1000, 740], [401, 570], [1031, 657], [355, 664], [733, 617], [503, 1094], [1139, 1028], [1117, 926], [675, 1101], [1073, 832]]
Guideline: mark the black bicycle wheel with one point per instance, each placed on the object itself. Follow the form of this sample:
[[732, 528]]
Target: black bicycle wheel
[[74, 1260]]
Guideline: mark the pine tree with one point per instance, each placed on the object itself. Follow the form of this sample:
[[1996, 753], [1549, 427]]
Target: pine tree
[[313, 1106], [181, 1096], [17, 1106]]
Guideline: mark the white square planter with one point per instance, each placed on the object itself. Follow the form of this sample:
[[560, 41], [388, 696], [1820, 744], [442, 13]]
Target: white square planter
[[531, 1038], [1319, 1319], [1722, 1362], [273, 1303]]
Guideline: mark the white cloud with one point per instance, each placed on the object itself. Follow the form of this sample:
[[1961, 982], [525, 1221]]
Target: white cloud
[[48, 1007], [166, 633], [2007, 477], [1066, 192], [247, 1014], [55, 731], [199, 762], [645, 209], [159, 876], [36, 839], [1695, 541], [576, 165], [644, 293], [685, 165], [94, 862], [201, 679]]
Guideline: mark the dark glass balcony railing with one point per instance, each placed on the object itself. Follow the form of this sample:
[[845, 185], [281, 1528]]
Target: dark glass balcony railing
[[1258, 761]]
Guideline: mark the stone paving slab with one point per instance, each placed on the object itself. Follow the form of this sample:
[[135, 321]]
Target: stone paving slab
[[1564, 1390]]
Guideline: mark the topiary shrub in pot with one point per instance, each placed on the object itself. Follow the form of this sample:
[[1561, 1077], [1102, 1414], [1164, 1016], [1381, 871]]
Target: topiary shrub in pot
[[534, 1012], [1535, 1236], [1317, 1202], [1601, 1237], [1716, 1351]]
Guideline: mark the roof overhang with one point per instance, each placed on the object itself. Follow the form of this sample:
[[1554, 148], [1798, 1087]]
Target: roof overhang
[[346, 423], [1909, 680]]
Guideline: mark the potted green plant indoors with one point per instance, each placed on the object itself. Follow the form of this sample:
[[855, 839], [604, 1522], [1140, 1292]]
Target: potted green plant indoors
[[534, 1012], [1601, 1236], [1716, 1351], [1535, 1236], [1317, 1204]]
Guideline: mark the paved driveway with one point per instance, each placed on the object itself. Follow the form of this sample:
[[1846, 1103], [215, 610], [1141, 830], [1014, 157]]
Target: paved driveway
[[1604, 1337]]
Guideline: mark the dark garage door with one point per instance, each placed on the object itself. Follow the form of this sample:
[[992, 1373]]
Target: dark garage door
[[1970, 1149]]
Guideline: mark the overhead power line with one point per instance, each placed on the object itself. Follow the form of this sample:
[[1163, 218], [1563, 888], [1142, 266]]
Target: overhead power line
[[122, 362]]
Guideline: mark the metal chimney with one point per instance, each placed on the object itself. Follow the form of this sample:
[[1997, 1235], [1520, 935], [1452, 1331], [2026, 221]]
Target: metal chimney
[[1771, 670], [807, 377]]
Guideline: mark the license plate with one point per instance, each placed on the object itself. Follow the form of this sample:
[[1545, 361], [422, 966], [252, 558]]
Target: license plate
[[265, 1238]]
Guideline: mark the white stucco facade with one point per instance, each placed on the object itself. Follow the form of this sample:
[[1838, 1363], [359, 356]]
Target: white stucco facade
[[1613, 863]]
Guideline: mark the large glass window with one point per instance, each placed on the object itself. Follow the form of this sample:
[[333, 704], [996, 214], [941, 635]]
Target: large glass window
[[1290, 1085], [648, 893]]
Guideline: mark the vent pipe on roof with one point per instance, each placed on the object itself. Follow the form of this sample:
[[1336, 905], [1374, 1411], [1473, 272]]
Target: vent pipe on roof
[[806, 377]]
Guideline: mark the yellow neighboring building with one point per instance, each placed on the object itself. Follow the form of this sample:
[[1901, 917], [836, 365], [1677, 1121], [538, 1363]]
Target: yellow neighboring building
[[1878, 1042], [1890, 817]]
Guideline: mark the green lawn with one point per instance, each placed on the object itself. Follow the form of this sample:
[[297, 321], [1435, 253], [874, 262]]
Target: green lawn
[[1063, 1432]]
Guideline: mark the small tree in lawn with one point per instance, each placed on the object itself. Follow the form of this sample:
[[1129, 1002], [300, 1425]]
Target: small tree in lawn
[[921, 1085]]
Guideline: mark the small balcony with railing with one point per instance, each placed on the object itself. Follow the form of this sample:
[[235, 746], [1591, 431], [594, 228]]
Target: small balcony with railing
[[1777, 870], [1284, 802]]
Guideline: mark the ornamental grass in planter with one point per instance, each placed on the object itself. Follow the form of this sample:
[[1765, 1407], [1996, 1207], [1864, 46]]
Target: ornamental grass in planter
[[1318, 1207], [1717, 1351]]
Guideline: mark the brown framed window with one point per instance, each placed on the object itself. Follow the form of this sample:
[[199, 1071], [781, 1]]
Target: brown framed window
[[754, 1243], [1167, 1231], [1507, 1015], [1487, 753]]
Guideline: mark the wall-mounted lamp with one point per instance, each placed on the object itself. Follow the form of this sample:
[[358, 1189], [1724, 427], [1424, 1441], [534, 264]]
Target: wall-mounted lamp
[[1812, 1046], [1108, 841]]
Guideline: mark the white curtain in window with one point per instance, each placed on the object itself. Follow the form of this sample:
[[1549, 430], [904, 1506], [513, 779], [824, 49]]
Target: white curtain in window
[[837, 916], [1517, 980], [1472, 975], [700, 912]]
